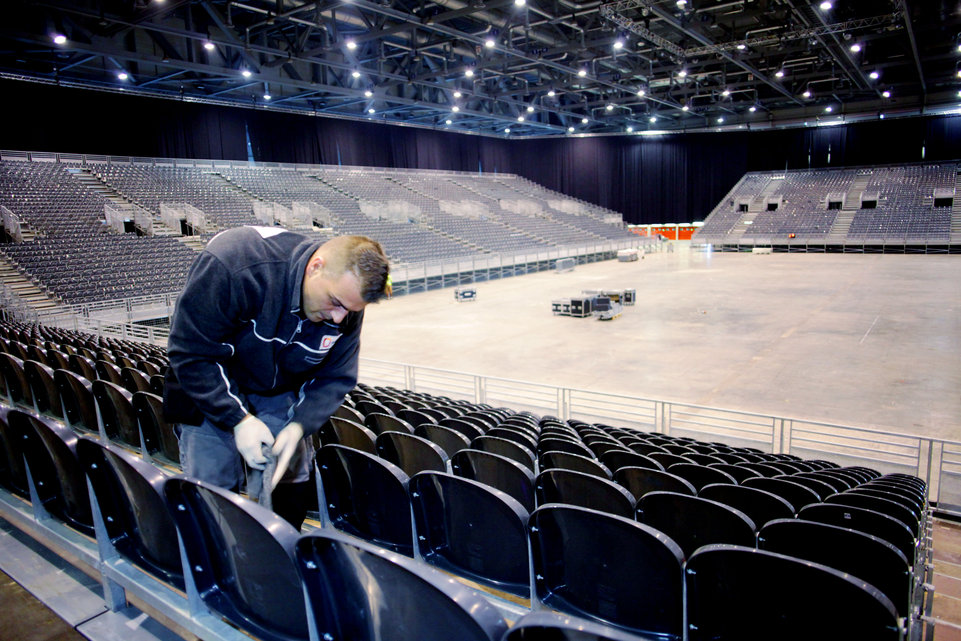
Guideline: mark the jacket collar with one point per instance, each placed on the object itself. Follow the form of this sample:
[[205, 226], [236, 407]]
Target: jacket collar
[[296, 268]]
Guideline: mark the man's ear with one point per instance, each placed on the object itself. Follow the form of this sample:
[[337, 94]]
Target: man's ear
[[316, 265]]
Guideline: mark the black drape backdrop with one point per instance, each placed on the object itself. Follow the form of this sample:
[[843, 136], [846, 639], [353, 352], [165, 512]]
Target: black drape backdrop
[[672, 178]]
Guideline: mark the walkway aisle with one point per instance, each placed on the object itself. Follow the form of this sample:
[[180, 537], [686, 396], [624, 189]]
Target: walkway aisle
[[947, 580]]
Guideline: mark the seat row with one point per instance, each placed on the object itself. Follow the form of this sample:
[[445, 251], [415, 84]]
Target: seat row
[[592, 575]]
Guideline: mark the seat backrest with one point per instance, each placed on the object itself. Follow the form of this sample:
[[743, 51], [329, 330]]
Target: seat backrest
[[864, 520], [76, 394], [607, 568], [135, 380], [240, 556], [700, 475], [861, 555], [411, 453], [131, 501], [516, 434], [794, 493], [639, 481], [15, 381], [498, 472], [360, 592], [571, 445], [451, 441], [743, 593], [117, 413], [158, 435], [342, 431], [503, 447], [467, 428], [472, 530], [879, 504], [46, 398], [575, 462], [584, 490], [759, 505], [366, 496], [379, 423], [13, 471], [50, 450], [617, 458], [692, 521]]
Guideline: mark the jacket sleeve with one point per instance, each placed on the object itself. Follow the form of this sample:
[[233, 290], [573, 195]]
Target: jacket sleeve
[[210, 310], [321, 395]]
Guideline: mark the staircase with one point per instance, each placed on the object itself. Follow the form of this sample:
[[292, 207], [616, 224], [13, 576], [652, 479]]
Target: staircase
[[850, 206], [956, 211], [95, 184], [23, 289]]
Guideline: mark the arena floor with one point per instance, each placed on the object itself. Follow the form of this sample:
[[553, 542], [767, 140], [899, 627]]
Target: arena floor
[[861, 340]]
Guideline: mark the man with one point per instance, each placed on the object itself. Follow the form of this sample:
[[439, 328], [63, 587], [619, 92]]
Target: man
[[263, 348]]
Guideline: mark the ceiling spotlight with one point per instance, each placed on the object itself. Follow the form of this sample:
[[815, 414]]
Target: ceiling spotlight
[[752, 108], [610, 107], [368, 93], [371, 111], [355, 74], [886, 93], [682, 73], [520, 119], [507, 131], [351, 45], [681, 4], [551, 93], [584, 121], [458, 94], [618, 44], [245, 73], [807, 93], [209, 46], [582, 73], [469, 73], [779, 73], [874, 75], [267, 96], [455, 109], [630, 129], [826, 6], [720, 119], [489, 43], [829, 109], [741, 47], [570, 129], [449, 121], [686, 108], [530, 109], [726, 93], [122, 75], [855, 48], [60, 39], [653, 118], [520, 3]]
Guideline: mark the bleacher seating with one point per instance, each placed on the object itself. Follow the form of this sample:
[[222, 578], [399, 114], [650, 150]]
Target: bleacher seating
[[879, 205], [436, 518], [66, 224]]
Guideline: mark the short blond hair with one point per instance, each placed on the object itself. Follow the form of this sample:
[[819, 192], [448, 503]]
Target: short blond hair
[[364, 258]]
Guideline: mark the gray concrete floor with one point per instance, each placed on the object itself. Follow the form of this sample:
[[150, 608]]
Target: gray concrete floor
[[861, 340]]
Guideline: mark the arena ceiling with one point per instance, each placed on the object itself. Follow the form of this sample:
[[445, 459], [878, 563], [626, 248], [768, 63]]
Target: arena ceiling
[[540, 68]]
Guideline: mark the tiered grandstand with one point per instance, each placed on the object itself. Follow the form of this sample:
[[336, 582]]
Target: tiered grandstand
[[55, 212], [910, 208]]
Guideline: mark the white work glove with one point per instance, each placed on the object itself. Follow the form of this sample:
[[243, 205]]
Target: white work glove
[[250, 435], [284, 448]]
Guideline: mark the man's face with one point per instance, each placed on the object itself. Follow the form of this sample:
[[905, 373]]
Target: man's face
[[330, 298]]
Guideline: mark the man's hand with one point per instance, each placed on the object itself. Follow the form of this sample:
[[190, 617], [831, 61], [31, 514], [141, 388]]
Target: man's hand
[[284, 448], [250, 434]]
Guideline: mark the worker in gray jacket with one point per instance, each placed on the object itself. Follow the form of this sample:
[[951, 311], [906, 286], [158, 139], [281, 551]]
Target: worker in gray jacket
[[263, 348]]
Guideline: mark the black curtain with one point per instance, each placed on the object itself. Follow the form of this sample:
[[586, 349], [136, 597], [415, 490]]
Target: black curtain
[[671, 178]]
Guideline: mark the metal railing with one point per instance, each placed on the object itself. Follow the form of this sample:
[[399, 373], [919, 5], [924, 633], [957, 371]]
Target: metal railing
[[936, 461]]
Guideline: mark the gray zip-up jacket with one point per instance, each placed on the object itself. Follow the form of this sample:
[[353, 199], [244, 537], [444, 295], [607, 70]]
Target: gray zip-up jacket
[[238, 329]]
